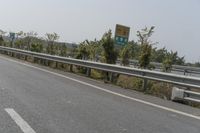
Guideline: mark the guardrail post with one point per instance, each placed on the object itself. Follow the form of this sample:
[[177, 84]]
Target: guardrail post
[[56, 65], [185, 71], [88, 72], [32, 59], [43, 62], [71, 68], [145, 82], [111, 77], [106, 76], [25, 57]]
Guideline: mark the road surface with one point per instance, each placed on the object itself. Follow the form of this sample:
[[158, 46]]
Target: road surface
[[38, 100]]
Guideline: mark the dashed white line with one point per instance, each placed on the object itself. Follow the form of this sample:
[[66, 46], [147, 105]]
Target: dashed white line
[[24, 126], [111, 92]]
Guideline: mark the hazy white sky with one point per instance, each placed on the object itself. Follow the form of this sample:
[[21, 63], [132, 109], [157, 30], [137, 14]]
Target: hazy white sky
[[177, 22]]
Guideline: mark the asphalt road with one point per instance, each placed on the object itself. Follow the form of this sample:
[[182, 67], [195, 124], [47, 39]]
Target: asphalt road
[[33, 100]]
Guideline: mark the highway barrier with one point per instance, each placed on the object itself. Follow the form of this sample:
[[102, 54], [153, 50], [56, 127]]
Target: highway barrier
[[176, 68], [181, 80]]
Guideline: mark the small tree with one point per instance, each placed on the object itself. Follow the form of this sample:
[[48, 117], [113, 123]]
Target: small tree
[[37, 47], [134, 49], [63, 50], [109, 53], [1, 40], [180, 60], [176, 59], [170, 59], [125, 55], [167, 65], [73, 51], [146, 46], [83, 50], [95, 50], [28, 38], [2, 33], [51, 38], [159, 55]]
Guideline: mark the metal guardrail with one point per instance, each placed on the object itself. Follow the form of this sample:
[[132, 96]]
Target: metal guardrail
[[181, 80], [176, 68], [179, 68], [185, 81]]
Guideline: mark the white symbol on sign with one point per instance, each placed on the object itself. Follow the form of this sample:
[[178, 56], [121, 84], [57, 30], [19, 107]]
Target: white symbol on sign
[[116, 38]]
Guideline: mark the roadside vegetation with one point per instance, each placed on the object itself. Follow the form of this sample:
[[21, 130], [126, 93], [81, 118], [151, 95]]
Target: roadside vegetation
[[104, 50]]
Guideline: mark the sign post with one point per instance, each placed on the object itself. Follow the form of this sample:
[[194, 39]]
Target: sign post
[[121, 35]]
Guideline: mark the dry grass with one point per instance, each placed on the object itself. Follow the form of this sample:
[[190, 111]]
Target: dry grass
[[162, 90], [96, 74], [129, 82]]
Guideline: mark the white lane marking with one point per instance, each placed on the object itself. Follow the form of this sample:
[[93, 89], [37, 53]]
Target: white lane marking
[[19, 121], [111, 92]]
